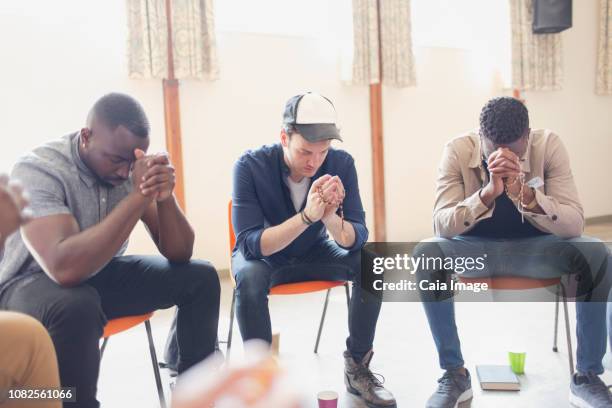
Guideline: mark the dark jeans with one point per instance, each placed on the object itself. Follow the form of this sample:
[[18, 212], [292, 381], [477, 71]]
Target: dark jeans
[[128, 285], [326, 261], [586, 258]]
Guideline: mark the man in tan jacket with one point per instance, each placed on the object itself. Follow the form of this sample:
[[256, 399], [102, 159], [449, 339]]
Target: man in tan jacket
[[508, 192]]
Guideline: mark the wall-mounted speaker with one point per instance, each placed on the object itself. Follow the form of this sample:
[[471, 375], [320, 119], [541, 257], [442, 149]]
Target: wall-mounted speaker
[[551, 16]]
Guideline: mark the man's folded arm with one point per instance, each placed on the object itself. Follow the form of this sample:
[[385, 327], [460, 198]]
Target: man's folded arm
[[54, 237], [454, 213], [353, 209], [253, 239], [170, 230], [69, 255], [563, 213]]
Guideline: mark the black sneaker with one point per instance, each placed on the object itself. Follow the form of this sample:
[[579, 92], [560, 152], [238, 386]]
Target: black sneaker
[[453, 389], [589, 391]]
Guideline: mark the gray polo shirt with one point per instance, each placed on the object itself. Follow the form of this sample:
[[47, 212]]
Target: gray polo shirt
[[58, 183]]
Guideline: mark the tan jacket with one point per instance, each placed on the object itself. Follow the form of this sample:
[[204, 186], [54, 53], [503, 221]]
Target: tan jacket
[[461, 176]]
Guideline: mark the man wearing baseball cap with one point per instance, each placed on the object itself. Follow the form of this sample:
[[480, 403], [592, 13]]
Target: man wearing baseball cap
[[286, 197]]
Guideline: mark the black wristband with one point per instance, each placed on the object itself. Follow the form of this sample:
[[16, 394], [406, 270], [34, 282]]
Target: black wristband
[[305, 218]]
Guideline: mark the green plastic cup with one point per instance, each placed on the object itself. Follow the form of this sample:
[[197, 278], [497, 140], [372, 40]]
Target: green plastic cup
[[517, 362]]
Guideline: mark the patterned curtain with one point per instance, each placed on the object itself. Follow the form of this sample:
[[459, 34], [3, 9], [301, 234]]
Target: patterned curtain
[[604, 53], [536, 58], [394, 28], [193, 34]]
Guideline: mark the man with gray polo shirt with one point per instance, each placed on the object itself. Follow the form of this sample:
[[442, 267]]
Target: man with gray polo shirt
[[286, 196], [66, 267]]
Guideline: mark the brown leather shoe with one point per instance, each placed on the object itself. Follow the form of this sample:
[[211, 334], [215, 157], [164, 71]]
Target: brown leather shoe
[[359, 380]]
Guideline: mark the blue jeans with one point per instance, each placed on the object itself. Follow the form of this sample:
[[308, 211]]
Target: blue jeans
[[326, 261], [538, 257]]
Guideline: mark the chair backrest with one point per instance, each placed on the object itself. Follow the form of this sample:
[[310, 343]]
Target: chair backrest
[[232, 236], [232, 239]]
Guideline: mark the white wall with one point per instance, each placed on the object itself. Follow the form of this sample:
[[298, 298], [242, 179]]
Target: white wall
[[54, 70]]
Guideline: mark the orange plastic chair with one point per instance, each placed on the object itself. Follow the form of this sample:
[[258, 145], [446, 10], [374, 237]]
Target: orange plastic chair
[[294, 288], [116, 326], [520, 283]]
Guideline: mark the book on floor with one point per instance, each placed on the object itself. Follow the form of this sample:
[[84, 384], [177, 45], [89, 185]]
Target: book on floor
[[497, 377]]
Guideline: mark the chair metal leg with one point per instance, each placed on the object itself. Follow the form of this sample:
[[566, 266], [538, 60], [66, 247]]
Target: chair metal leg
[[556, 330], [160, 389], [348, 294], [570, 350], [103, 347], [316, 349], [231, 325]]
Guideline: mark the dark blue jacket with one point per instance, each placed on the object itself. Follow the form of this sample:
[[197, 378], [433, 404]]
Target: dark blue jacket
[[261, 199]]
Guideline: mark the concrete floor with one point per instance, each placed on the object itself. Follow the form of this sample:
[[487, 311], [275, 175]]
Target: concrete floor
[[404, 350]]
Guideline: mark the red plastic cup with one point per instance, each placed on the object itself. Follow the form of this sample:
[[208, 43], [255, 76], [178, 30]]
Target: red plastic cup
[[328, 399]]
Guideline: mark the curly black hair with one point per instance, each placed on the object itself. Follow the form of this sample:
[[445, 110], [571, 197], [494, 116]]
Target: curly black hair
[[504, 120]]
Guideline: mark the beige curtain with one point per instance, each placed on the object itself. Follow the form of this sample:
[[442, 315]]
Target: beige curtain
[[604, 52], [536, 58], [193, 34], [395, 37]]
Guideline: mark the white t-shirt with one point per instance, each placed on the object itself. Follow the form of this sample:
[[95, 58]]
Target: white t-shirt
[[298, 191]]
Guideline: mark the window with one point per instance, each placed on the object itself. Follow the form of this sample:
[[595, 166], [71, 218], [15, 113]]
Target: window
[[303, 18], [330, 22], [481, 27]]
